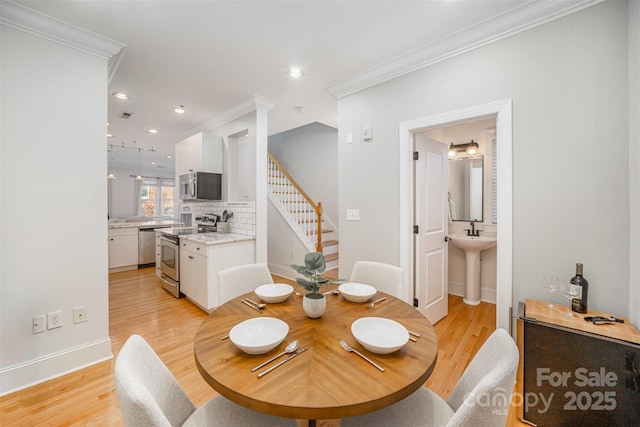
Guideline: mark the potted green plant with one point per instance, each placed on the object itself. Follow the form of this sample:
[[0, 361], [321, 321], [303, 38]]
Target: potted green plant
[[314, 303]]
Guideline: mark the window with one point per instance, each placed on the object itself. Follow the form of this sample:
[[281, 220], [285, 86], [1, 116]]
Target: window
[[156, 197]]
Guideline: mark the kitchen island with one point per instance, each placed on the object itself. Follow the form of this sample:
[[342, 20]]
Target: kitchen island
[[203, 255]]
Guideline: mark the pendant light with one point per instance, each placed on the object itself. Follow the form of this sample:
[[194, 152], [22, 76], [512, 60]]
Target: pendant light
[[139, 176]]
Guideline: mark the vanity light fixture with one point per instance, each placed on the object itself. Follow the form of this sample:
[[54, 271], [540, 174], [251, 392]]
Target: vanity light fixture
[[295, 72], [180, 109], [470, 148], [121, 95]]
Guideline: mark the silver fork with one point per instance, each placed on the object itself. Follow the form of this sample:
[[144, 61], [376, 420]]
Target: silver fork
[[350, 349]]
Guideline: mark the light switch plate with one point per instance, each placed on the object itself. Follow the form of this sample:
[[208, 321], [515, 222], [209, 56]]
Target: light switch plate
[[367, 133], [349, 138], [353, 214]]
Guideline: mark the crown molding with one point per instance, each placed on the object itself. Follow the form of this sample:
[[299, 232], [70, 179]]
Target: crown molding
[[253, 103], [527, 16], [38, 24]]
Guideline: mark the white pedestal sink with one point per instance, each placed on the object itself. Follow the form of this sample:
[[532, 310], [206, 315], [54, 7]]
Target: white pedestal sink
[[472, 245]]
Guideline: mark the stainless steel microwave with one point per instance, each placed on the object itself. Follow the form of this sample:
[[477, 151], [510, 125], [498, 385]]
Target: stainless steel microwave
[[201, 186]]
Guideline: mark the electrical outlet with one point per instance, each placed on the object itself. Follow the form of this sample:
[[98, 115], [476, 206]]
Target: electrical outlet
[[54, 319], [38, 324], [80, 314], [353, 214]]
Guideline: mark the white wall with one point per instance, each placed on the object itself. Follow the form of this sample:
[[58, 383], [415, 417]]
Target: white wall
[[310, 154], [53, 195], [569, 89], [634, 160], [285, 248]]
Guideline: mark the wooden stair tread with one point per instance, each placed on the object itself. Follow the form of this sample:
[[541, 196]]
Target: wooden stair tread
[[329, 243], [331, 257]]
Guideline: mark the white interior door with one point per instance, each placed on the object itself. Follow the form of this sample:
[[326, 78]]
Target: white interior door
[[431, 218]]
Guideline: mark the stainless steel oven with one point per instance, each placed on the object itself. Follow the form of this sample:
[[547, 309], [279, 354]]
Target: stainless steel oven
[[170, 263], [170, 250]]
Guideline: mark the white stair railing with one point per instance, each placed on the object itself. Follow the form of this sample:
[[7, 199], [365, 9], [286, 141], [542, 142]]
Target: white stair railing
[[303, 214]]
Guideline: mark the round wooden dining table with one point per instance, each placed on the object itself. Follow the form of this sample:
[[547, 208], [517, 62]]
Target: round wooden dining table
[[326, 381]]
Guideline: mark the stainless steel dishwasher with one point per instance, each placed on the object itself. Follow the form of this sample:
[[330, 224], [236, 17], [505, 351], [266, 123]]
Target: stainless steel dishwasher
[[147, 246]]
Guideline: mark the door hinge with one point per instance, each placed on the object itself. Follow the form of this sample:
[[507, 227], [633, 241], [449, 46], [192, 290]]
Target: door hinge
[[415, 155], [416, 303], [416, 229]]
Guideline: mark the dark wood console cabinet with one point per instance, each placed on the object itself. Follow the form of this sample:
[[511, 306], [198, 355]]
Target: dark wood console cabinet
[[575, 373]]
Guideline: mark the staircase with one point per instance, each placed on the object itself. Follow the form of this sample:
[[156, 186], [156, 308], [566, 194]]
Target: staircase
[[304, 216]]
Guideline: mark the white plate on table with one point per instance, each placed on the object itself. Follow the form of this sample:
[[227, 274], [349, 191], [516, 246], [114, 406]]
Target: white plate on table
[[274, 292], [357, 292], [379, 335], [258, 335]]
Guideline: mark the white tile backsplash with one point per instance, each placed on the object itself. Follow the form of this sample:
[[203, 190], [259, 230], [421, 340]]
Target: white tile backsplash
[[244, 214]]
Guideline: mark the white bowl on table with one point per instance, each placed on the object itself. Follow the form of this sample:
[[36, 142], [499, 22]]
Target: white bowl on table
[[380, 335], [258, 335], [357, 292], [274, 292]]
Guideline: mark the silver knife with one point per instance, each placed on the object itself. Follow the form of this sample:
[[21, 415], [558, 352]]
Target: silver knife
[[302, 350], [252, 306]]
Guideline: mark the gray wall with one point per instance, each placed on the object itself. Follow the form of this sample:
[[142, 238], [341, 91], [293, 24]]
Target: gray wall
[[569, 86], [310, 154]]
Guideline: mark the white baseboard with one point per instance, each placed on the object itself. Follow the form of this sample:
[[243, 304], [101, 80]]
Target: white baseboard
[[36, 371], [282, 271], [486, 295]]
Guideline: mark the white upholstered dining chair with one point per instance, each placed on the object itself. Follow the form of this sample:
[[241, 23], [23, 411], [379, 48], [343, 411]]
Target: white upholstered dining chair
[[150, 395], [481, 398], [241, 279], [384, 277]]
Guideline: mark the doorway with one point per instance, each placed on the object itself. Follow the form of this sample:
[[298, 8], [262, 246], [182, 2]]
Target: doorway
[[502, 110]]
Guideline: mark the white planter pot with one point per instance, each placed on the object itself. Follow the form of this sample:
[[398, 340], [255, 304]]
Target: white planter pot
[[314, 307]]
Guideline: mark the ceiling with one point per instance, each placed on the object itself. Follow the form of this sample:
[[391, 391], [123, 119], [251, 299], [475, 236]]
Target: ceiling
[[212, 55]]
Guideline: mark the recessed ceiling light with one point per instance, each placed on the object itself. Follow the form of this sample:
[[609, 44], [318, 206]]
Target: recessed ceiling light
[[108, 124], [154, 163], [295, 72], [299, 110], [109, 135], [153, 131], [168, 157], [180, 109], [121, 95]]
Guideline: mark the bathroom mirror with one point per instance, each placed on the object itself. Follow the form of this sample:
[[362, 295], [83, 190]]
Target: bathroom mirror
[[465, 188]]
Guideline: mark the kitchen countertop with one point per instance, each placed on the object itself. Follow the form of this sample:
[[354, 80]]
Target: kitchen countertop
[[216, 238], [143, 224]]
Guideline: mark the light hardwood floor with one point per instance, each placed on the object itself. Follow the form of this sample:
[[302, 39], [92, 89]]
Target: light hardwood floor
[[139, 305]]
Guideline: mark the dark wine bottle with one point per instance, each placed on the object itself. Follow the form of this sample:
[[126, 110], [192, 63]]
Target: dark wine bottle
[[579, 303]]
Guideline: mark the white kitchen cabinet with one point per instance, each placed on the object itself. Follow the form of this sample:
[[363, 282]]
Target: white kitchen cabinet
[[200, 264], [202, 152], [123, 249], [193, 271]]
